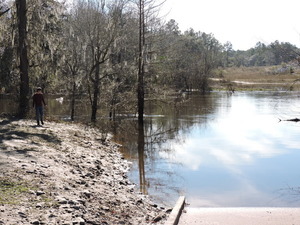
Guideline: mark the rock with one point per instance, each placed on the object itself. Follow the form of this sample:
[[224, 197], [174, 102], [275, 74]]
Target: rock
[[140, 201], [92, 222], [67, 188], [38, 205], [90, 175], [122, 183], [38, 193], [87, 194], [169, 210], [23, 215], [43, 174], [76, 207], [31, 171], [73, 202], [157, 218], [68, 210], [105, 208], [45, 166], [32, 192], [81, 201], [79, 221], [61, 200], [81, 182]]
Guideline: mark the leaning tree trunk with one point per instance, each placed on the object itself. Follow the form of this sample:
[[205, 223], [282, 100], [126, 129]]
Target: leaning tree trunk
[[22, 53]]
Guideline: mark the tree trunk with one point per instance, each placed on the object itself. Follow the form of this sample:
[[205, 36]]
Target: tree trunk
[[22, 52], [95, 93], [112, 111], [141, 155], [141, 69], [73, 101]]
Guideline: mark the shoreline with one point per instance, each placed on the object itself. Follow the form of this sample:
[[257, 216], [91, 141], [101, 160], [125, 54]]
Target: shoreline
[[64, 173]]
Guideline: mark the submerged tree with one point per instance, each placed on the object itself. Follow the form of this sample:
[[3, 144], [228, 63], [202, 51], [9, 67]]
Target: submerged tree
[[147, 10], [73, 58], [141, 62], [98, 28], [72, 64]]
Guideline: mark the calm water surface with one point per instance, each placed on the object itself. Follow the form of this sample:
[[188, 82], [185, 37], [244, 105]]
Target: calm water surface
[[217, 150], [220, 150]]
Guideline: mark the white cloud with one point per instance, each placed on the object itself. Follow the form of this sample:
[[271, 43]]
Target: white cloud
[[237, 140]]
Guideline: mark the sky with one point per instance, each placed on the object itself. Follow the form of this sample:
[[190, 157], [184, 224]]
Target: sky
[[241, 22]]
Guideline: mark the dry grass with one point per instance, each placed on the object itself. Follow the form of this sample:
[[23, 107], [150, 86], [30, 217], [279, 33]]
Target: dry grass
[[257, 78]]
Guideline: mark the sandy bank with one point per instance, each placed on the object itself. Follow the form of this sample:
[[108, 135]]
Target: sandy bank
[[63, 173]]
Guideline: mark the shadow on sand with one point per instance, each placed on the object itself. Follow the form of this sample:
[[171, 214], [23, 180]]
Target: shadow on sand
[[22, 140]]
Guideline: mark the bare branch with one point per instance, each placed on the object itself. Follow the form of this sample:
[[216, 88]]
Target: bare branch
[[2, 13]]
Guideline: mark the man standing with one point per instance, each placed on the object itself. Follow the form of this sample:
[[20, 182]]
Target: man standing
[[38, 102]]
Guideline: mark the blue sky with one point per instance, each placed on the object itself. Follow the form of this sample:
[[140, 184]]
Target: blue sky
[[242, 22]]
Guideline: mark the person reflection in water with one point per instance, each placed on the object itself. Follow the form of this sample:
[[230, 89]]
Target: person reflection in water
[[38, 103]]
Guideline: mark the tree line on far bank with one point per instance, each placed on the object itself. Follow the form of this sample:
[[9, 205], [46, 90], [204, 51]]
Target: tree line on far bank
[[114, 51], [275, 53]]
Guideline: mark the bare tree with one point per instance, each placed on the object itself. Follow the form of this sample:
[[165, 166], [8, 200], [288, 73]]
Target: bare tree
[[147, 12], [72, 60], [98, 27]]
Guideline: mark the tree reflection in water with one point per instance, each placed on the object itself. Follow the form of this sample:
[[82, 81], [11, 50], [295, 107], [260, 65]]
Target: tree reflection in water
[[142, 145], [141, 156], [147, 145], [195, 148]]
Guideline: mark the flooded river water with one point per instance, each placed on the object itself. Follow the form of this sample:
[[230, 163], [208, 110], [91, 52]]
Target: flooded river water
[[217, 150]]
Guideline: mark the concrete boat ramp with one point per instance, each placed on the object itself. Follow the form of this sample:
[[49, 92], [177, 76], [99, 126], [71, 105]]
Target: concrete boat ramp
[[182, 215], [240, 216]]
